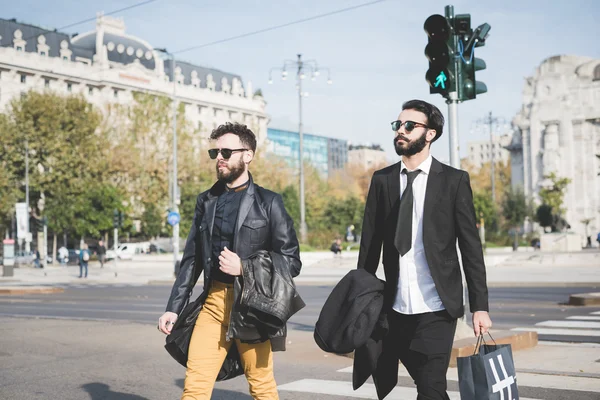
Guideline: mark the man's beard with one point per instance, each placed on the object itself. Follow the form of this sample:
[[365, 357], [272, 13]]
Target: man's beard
[[231, 172], [413, 147]]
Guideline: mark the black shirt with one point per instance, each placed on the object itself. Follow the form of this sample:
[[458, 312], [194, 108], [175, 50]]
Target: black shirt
[[226, 213]]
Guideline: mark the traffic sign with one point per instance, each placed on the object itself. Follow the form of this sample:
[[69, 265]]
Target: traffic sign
[[173, 218]]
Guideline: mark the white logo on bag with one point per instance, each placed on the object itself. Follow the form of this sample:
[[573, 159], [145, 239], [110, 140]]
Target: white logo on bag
[[505, 383]]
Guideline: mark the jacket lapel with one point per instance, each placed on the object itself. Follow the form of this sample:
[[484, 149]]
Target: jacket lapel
[[434, 183], [394, 186], [245, 205], [210, 206]]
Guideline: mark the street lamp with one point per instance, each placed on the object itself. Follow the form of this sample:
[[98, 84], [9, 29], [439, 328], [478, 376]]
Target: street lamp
[[490, 121], [302, 67], [174, 205]]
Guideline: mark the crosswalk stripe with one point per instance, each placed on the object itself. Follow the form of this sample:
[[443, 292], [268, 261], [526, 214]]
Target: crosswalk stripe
[[584, 318], [559, 332], [569, 324], [530, 379], [344, 389], [595, 313]]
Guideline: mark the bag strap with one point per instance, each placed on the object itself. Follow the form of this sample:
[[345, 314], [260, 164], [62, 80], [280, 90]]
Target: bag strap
[[480, 340]]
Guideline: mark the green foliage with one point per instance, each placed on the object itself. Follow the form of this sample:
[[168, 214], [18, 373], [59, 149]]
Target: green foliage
[[486, 209], [339, 214], [66, 155], [553, 195], [291, 201], [544, 215], [152, 220], [515, 207]]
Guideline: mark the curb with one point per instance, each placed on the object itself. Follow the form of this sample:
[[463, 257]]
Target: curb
[[517, 340], [466, 347], [30, 290], [543, 284], [584, 299]]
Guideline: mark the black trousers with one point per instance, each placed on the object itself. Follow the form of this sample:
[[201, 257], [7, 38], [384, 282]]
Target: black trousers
[[423, 343]]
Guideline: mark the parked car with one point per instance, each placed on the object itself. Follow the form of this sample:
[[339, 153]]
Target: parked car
[[22, 258], [125, 251]]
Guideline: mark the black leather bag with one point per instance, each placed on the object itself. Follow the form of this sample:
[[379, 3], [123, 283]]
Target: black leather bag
[[178, 341]]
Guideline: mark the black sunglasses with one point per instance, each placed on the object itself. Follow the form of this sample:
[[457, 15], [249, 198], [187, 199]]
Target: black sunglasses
[[226, 153], [408, 125]]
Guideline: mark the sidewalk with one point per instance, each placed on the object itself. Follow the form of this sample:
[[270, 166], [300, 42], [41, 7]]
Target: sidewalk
[[503, 269]]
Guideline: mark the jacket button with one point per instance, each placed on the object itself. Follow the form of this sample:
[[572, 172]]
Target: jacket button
[[208, 259]]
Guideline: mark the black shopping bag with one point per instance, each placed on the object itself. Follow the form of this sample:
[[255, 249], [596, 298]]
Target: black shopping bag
[[489, 374]]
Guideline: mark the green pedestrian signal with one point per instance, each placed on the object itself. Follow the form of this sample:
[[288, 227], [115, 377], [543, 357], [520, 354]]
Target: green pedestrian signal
[[441, 80], [439, 51]]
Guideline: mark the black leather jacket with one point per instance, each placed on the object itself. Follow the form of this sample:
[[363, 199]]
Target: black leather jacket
[[262, 224], [269, 294]]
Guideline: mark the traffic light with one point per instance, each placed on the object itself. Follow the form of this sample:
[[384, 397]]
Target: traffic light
[[439, 51], [39, 225], [116, 219], [121, 218], [451, 54], [468, 86]]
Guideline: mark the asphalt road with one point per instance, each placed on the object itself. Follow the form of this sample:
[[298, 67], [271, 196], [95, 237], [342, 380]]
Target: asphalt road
[[95, 342], [520, 308]]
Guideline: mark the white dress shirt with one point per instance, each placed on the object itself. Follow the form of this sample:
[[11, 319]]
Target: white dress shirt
[[416, 290]]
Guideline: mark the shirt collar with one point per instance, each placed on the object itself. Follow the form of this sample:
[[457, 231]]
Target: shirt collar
[[425, 166], [239, 188]]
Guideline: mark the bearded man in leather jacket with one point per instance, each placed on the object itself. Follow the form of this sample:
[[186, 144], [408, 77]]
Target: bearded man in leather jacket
[[233, 220]]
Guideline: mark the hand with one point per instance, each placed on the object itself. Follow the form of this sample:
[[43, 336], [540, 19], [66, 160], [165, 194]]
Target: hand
[[165, 323], [481, 322], [230, 263]]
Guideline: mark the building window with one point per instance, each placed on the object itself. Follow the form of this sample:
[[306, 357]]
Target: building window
[[42, 53], [90, 91], [597, 73], [47, 83], [69, 87], [65, 58], [23, 78], [19, 48], [116, 94]]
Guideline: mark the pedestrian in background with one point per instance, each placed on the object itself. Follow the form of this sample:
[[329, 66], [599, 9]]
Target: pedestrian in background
[[336, 247], [84, 258], [36, 261], [101, 252]]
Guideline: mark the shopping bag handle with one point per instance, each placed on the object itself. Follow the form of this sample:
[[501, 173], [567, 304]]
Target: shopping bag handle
[[481, 340]]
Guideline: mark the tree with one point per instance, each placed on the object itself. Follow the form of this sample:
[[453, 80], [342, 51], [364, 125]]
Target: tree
[[10, 184], [514, 210], [152, 220], [550, 213], [66, 152], [481, 179], [544, 216], [486, 209]]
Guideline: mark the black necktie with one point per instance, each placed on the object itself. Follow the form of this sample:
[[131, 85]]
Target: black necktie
[[403, 238]]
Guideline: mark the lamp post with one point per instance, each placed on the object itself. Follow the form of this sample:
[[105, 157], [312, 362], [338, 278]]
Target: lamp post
[[174, 197], [302, 67], [489, 120]]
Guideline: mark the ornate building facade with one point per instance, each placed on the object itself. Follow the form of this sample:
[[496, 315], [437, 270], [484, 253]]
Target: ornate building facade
[[107, 66], [558, 130]]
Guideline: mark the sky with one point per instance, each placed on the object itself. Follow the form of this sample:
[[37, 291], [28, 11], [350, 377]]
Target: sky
[[375, 54]]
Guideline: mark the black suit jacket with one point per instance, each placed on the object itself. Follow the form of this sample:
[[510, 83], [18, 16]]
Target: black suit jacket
[[448, 216], [262, 224]]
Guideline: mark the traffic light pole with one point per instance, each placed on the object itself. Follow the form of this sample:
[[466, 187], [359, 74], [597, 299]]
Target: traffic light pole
[[453, 125], [116, 244]]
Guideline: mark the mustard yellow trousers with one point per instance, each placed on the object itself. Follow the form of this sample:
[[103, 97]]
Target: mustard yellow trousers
[[208, 349]]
